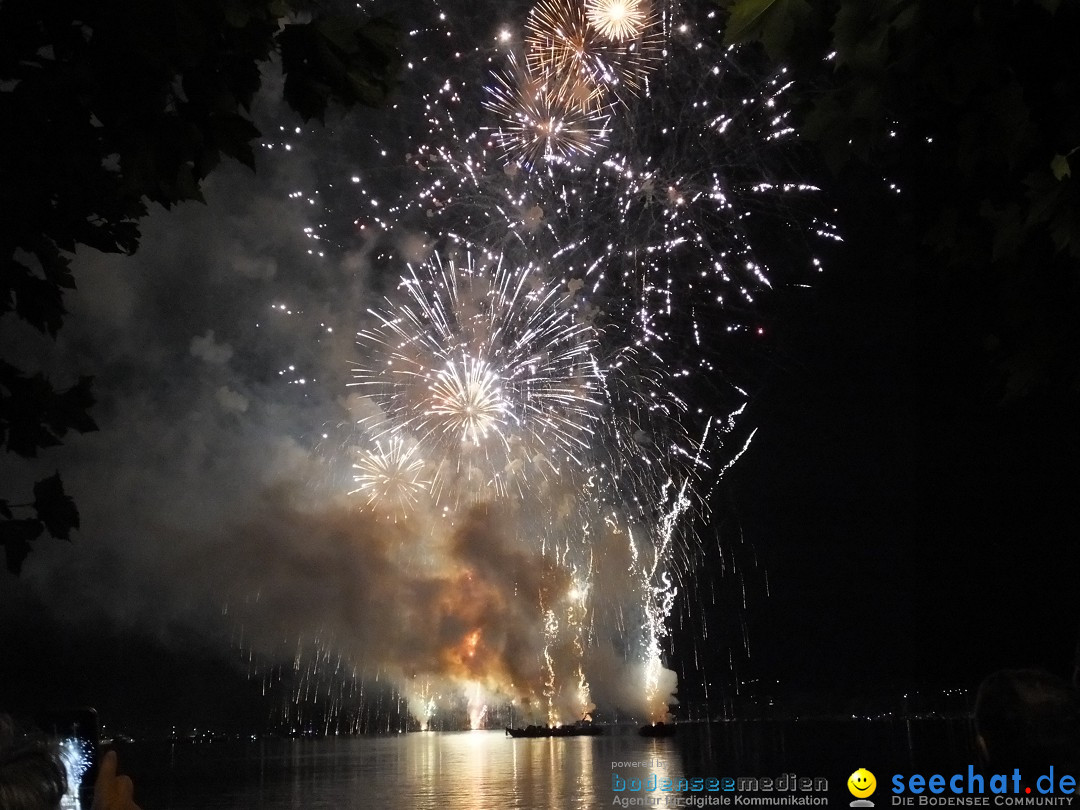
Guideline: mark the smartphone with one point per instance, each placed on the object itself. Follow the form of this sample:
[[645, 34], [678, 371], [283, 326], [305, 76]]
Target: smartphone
[[77, 733]]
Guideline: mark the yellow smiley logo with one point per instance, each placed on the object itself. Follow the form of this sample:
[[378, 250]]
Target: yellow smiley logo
[[861, 783]]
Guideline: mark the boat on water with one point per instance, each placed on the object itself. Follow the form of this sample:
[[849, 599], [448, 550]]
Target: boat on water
[[660, 729], [574, 730]]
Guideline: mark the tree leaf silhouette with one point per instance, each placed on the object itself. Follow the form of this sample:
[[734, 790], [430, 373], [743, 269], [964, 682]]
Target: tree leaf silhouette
[[55, 508]]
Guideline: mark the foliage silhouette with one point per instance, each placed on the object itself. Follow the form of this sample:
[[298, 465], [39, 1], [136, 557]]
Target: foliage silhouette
[[110, 106]]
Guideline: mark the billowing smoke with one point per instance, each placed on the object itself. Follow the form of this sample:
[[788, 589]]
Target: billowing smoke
[[216, 493], [511, 525]]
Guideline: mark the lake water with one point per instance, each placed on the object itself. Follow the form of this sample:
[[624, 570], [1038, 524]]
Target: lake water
[[485, 770]]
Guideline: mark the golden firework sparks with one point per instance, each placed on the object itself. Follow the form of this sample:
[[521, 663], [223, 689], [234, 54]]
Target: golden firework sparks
[[617, 20]]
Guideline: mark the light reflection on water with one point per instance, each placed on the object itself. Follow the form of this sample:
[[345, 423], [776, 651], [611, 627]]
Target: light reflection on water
[[485, 770], [479, 770]]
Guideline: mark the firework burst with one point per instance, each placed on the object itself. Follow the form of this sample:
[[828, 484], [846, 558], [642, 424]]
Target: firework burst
[[390, 475], [561, 391], [543, 119], [618, 20], [584, 62], [486, 366], [467, 398]]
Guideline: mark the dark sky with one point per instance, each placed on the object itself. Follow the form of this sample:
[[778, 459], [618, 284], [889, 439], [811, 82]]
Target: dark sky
[[911, 525], [918, 525]]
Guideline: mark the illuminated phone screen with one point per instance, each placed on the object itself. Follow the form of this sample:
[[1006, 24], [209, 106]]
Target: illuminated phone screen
[[76, 734], [78, 755]]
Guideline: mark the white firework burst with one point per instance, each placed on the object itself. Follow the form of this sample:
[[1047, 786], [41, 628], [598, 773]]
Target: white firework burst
[[467, 397], [486, 367], [568, 50], [543, 119], [618, 20], [390, 476]]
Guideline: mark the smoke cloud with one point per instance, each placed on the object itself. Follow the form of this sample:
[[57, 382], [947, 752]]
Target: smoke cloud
[[214, 494]]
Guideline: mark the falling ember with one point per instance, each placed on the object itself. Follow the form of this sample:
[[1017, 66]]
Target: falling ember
[[551, 630], [658, 585], [422, 702], [575, 617], [424, 713], [477, 706]]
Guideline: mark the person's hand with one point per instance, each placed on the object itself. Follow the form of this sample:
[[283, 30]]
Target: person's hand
[[112, 792]]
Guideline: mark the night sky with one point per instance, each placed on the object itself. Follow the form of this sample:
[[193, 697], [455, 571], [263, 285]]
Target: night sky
[[919, 526], [897, 521]]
